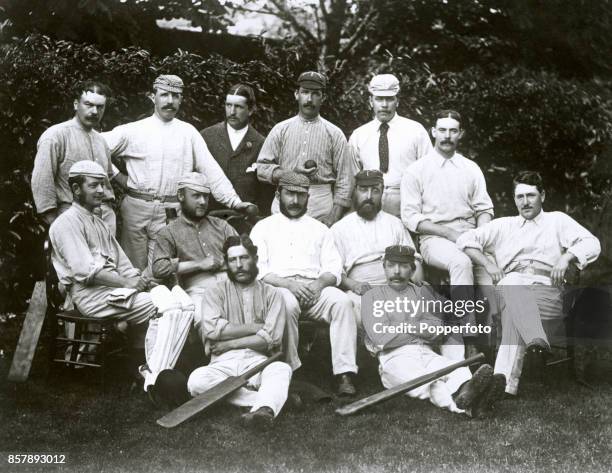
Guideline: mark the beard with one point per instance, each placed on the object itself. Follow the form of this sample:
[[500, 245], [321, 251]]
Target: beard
[[368, 212], [187, 212], [285, 211], [252, 273]]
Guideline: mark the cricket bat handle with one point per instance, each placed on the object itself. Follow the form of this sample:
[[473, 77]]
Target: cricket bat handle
[[256, 369], [405, 387]]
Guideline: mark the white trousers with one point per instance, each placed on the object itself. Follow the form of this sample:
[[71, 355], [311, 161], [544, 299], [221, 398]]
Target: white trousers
[[411, 361], [525, 300], [335, 308], [167, 334], [444, 254], [268, 388]]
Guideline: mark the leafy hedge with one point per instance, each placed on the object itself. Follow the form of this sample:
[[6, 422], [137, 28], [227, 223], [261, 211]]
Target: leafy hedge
[[515, 119]]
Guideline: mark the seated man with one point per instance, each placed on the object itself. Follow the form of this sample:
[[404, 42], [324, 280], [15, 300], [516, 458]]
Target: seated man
[[297, 253], [362, 236], [443, 195], [533, 252], [407, 354], [243, 320], [190, 247], [98, 276], [101, 281]]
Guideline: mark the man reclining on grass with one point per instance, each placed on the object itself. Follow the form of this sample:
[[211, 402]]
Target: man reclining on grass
[[403, 343]]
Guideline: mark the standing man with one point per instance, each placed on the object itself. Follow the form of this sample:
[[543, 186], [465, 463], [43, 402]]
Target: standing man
[[297, 253], [389, 143], [243, 322], [310, 145], [362, 236], [532, 254], [406, 354], [235, 144], [62, 145], [158, 150]]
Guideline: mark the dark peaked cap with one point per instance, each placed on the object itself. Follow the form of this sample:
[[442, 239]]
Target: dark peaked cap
[[399, 254], [369, 177]]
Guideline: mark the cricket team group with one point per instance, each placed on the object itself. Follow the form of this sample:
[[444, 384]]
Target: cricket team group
[[339, 227]]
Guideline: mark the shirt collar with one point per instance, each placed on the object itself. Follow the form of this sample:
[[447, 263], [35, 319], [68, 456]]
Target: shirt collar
[[390, 122], [191, 222], [311, 120], [160, 121], [537, 220], [442, 161], [291, 220], [233, 131], [77, 123], [82, 209]]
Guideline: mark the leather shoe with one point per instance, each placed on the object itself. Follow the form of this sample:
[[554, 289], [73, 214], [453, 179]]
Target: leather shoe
[[471, 390], [262, 418], [539, 346], [494, 393], [345, 385]]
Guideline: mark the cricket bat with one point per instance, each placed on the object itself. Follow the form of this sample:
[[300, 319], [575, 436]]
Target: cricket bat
[[405, 387], [30, 332], [212, 396]]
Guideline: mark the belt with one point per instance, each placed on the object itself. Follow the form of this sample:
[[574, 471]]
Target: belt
[[531, 270], [151, 197]]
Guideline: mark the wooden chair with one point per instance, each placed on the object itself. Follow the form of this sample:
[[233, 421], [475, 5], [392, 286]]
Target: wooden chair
[[75, 340]]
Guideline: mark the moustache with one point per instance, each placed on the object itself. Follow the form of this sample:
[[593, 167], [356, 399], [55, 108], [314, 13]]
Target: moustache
[[366, 202], [397, 279], [169, 108]]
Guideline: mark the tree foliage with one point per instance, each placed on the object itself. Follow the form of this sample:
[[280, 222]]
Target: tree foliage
[[107, 23]]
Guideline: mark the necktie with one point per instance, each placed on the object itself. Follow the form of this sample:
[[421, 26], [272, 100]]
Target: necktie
[[383, 147]]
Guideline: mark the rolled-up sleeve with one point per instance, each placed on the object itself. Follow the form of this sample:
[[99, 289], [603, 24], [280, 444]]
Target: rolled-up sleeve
[[475, 238], [213, 318], [268, 161], [411, 201], [70, 246], [165, 260], [480, 200], [274, 324], [578, 241], [46, 164], [330, 259], [220, 186]]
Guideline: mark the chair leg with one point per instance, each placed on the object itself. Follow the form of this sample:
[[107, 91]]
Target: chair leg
[[102, 351]]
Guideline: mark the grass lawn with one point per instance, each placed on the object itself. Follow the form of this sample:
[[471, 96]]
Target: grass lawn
[[557, 426]]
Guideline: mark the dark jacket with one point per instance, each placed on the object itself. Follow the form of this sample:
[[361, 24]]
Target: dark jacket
[[235, 163]]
